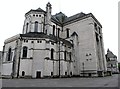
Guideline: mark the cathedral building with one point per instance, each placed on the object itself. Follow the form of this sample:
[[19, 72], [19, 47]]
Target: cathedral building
[[55, 46]]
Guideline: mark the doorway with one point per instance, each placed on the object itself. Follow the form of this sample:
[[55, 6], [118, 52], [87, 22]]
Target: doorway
[[23, 73], [38, 74]]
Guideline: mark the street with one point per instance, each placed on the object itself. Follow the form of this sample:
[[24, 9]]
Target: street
[[109, 81]]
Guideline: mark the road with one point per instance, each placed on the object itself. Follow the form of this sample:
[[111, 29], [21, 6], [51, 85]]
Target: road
[[109, 81]]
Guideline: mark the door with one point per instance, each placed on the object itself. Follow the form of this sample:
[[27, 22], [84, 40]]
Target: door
[[38, 74]]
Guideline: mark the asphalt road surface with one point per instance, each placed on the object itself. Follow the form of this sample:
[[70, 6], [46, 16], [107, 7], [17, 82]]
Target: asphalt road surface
[[109, 81]]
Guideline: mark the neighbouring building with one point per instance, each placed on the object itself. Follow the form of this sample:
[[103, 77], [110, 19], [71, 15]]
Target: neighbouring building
[[0, 62], [112, 63], [119, 66], [55, 45]]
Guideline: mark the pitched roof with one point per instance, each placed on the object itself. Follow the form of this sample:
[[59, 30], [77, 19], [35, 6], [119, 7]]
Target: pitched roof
[[62, 19], [79, 15], [110, 54], [74, 33], [37, 10], [59, 18]]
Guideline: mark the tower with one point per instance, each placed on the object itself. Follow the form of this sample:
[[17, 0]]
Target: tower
[[34, 21], [48, 18]]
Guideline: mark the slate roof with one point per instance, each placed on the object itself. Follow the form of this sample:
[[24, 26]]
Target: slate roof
[[61, 19], [42, 35]]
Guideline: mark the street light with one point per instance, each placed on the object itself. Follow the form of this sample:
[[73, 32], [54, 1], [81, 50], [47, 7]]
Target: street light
[[83, 68]]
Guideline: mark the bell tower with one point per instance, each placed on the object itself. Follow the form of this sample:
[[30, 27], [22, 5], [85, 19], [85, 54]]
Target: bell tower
[[48, 18]]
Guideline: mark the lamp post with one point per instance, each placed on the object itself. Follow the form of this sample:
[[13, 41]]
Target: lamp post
[[83, 68], [58, 41]]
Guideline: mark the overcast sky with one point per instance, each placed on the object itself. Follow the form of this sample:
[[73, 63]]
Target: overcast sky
[[106, 11]]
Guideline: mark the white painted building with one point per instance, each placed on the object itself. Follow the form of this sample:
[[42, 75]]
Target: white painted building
[[112, 63], [0, 62], [55, 45]]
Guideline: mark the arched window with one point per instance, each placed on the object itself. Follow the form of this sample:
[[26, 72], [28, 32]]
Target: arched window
[[24, 52], [65, 54], [70, 56], [27, 27], [52, 53], [9, 54], [36, 27], [53, 29]]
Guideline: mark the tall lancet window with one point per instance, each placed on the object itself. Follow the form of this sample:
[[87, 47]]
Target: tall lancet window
[[24, 52], [36, 27], [27, 27], [53, 29], [52, 53], [9, 54], [58, 34], [67, 32]]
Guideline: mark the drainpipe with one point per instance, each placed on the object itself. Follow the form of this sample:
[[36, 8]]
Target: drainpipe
[[20, 46], [59, 59]]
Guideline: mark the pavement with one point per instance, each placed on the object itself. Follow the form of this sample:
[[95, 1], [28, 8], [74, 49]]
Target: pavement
[[109, 81]]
